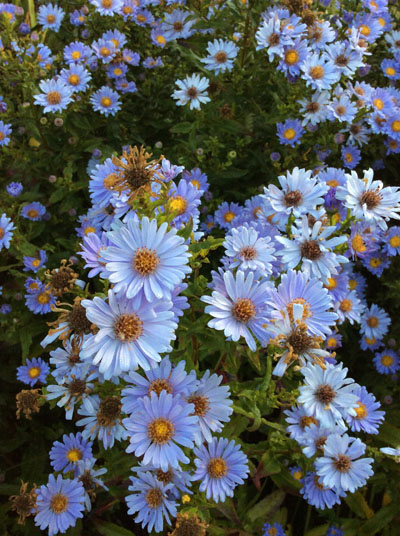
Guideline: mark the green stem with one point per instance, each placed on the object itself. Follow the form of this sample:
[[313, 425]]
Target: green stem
[[307, 519], [32, 14]]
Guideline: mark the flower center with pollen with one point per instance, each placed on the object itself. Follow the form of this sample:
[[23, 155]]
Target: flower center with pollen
[[244, 310], [159, 385], [371, 199], [53, 97], [74, 79], [310, 250], [342, 463], [59, 503], [217, 468], [325, 394], [291, 57], [160, 430], [51, 19], [346, 305], [300, 341], [34, 372], [128, 327], [201, 404], [373, 322], [165, 476], [317, 72], [107, 3], [106, 102], [221, 57], [109, 411], [154, 498], [248, 253], [192, 92], [228, 216], [178, 204], [289, 133], [387, 360], [293, 199], [306, 421], [145, 261], [74, 455], [43, 298], [361, 411]]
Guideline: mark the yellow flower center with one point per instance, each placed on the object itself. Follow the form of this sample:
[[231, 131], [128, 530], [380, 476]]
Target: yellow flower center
[[51, 19], [161, 39], [291, 57], [387, 360], [331, 342], [43, 298], [217, 468], [107, 3], [374, 262], [289, 133], [74, 79], [106, 102], [36, 263], [395, 241], [365, 30], [317, 72], [370, 340], [117, 71], [333, 183], [361, 411], [178, 204], [346, 305], [382, 22], [332, 283], [34, 372], [390, 71], [378, 103], [229, 216], [59, 503], [141, 18], [145, 261], [32, 213], [104, 51], [75, 55], [74, 455], [396, 126], [297, 475], [348, 157], [373, 321], [352, 284], [53, 97], [160, 430], [89, 230], [358, 243]]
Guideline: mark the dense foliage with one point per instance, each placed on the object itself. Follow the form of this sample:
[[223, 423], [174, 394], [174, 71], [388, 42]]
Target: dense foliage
[[199, 294]]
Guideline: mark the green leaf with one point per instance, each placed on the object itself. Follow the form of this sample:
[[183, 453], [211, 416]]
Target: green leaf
[[389, 434], [111, 529], [357, 503], [380, 520], [267, 506], [182, 128]]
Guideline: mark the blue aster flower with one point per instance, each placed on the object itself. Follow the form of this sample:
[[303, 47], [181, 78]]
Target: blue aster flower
[[106, 101], [392, 242], [333, 341], [14, 189], [89, 476], [146, 257], [293, 56], [327, 393], [33, 211], [32, 285], [314, 438], [50, 17], [227, 214], [68, 360], [177, 26], [351, 156], [6, 231], [59, 504], [151, 500], [118, 38], [247, 250], [334, 531], [34, 371], [221, 466], [192, 90], [102, 182], [297, 472], [376, 262], [104, 49], [317, 494], [71, 389], [117, 70], [313, 248], [319, 72], [393, 146], [162, 377], [143, 17], [130, 57], [158, 431], [152, 63], [180, 480], [372, 343], [107, 7], [368, 26], [102, 419], [368, 418], [77, 17], [91, 249], [337, 286], [77, 52], [212, 406], [315, 108], [290, 132], [40, 301], [345, 58], [387, 362], [341, 466], [349, 308], [274, 529], [221, 55], [35, 263], [296, 287], [76, 77], [183, 200], [240, 309], [55, 96], [5, 131], [269, 36], [342, 109], [122, 85], [132, 332], [65, 456], [375, 322]]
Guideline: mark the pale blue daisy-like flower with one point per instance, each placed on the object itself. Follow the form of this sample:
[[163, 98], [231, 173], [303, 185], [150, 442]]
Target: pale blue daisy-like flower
[[104, 49], [70, 390], [41, 300], [192, 90], [68, 360], [59, 504], [5, 131], [299, 422], [270, 37], [118, 38], [290, 132], [212, 406], [351, 156], [107, 7], [247, 250], [183, 200], [151, 501], [296, 287], [102, 419], [160, 428], [342, 109], [132, 332], [345, 58], [178, 25], [299, 193], [313, 248], [349, 308], [146, 257], [220, 466], [316, 494], [314, 109], [375, 322], [162, 377], [106, 101], [227, 214], [180, 480], [392, 241], [76, 77], [293, 56], [35, 263], [34, 371], [86, 473], [65, 456], [314, 438], [387, 362], [55, 96], [50, 17], [319, 72], [327, 393], [6, 231], [220, 56], [102, 182], [368, 418], [369, 200], [341, 466], [77, 52], [240, 310]]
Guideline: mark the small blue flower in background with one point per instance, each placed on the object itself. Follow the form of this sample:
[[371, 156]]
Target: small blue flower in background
[[59, 504], [220, 466], [106, 101], [40, 300], [6, 231], [76, 77], [35, 263], [34, 371], [50, 17], [33, 211], [290, 132], [66, 455], [387, 362], [110, 7], [273, 529], [335, 531], [14, 189], [5, 131]]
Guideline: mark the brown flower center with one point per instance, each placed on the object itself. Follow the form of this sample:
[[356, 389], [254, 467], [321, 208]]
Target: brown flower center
[[273, 39], [53, 97], [154, 498], [178, 26], [201, 404], [160, 430], [145, 261], [244, 310], [293, 199], [221, 57], [317, 72], [342, 463], [165, 476], [59, 503], [158, 385], [371, 199], [77, 319], [248, 253], [109, 411], [300, 341], [341, 60], [325, 394], [313, 107], [217, 468], [192, 92], [320, 442], [310, 250], [128, 327], [306, 421], [77, 387]]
